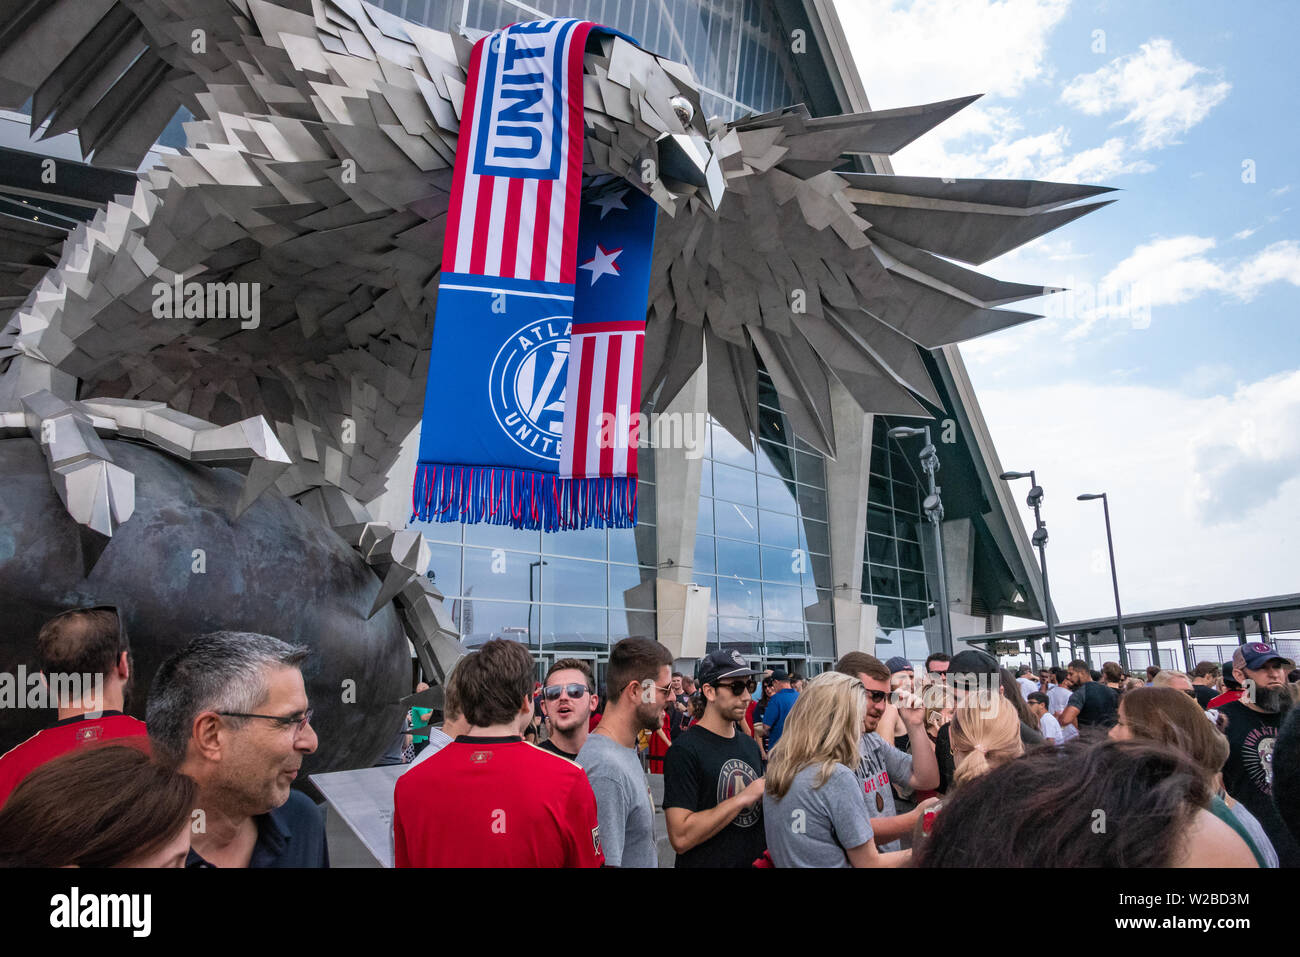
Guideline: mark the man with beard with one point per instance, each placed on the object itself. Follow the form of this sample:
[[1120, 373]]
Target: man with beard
[[713, 784], [568, 699], [881, 763], [1252, 730], [637, 690], [75, 648]]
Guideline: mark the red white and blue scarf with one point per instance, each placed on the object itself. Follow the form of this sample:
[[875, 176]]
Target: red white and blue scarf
[[533, 398]]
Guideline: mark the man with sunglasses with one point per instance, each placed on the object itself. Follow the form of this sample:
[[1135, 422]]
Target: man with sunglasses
[[76, 648], [882, 765], [713, 784], [230, 710], [568, 701]]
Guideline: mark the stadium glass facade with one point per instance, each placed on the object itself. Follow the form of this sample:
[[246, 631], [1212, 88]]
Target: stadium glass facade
[[762, 544]]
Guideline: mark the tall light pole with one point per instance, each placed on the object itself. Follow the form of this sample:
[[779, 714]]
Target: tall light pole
[[1035, 501], [933, 508], [1114, 578]]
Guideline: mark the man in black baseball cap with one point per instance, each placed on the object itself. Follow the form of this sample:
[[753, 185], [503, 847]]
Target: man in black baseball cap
[[713, 785], [972, 671], [1253, 722]]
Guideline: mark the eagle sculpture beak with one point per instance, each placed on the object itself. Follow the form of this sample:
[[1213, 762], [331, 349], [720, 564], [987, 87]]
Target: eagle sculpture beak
[[688, 164]]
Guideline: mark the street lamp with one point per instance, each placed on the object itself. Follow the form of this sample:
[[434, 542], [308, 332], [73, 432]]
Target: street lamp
[[1114, 579], [933, 508], [1035, 501]]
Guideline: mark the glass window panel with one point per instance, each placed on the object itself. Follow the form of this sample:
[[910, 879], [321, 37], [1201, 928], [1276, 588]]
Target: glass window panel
[[704, 521], [777, 529], [879, 520], [815, 536], [916, 645], [625, 578], [776, 494], [629, 624], [484, 620], [889, 615], [905, 499], [733, 484], [881, 549], [812, 502], [737, 521], [739, 598], [878, 491], [726, 448], [711, 583], [444, 568], [503, 536], [573, 628], [782, 602], [909, 529], [820, 567], [773, 426], [706, 477], [738, 559], [884, 581], [439, 531], [914, 613], [703, 562], [645, 461], [812, 469], [816, 605], [633, 546], [774, 460], [497, 573], [573, 582], [912, 585], [784, 564], [909, 555], [577, 543], [646, 503], [821, 640]]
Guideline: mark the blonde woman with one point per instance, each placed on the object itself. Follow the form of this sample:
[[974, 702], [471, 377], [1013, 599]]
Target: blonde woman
[[814, 810], [985, 734]]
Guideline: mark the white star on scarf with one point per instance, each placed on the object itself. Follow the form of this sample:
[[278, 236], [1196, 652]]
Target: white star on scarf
[[602, 264]]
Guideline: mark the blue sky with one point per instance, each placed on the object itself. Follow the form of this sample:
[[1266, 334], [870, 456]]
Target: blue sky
[[1170, 377]]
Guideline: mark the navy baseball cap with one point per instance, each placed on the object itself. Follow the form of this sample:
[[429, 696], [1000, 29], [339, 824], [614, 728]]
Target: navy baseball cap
[[723, 665], [898, 663], [1256, 654]]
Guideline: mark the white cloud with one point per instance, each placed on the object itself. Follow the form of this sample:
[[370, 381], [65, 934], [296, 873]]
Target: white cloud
[[911, 53], [1098, 164], [1175, 270], [1204, 492], [1281, 190], [1245, 233], [1165, 95]]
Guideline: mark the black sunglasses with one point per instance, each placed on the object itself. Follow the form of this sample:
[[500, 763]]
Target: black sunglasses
[[574, 690], [877, 696], [738, 687]]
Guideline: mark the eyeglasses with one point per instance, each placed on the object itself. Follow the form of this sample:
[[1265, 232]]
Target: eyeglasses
[[877, 696], [574, 690], [738, 687], [295, 721]]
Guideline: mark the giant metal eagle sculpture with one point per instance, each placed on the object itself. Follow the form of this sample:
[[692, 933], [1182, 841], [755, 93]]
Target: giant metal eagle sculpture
[[319, 168]]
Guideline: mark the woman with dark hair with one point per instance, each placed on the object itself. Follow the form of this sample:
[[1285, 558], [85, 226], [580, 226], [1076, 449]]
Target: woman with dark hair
[[1011, 691], [106, 806], [1173, 718], [1113, 804]]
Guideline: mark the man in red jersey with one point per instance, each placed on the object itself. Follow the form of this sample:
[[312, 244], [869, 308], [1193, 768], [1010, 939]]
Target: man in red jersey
[[489, 799], [85, 664]]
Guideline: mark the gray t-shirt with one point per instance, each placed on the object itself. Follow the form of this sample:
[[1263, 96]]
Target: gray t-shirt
[[813, 827], [624, 808], [881, 764]]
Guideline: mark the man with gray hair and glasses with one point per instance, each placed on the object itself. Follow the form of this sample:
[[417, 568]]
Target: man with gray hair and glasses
[[230, 710]]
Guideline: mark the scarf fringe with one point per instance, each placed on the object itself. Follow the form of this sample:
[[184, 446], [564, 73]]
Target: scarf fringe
[[521, 498]]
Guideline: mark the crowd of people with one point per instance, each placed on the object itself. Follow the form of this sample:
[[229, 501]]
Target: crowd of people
[[871, 764]]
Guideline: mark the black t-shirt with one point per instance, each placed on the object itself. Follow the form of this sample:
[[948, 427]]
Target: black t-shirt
[[1248, 774], [549, 745], [701, 771], [1204, 695], [1098, 705]]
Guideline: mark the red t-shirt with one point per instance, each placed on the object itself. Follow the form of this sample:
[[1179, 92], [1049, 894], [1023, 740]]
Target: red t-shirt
[[60, 738], [1226, 698], [495, 802]]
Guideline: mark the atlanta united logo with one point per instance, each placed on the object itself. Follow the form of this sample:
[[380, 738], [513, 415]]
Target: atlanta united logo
[[733, 777], [526, 387]]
